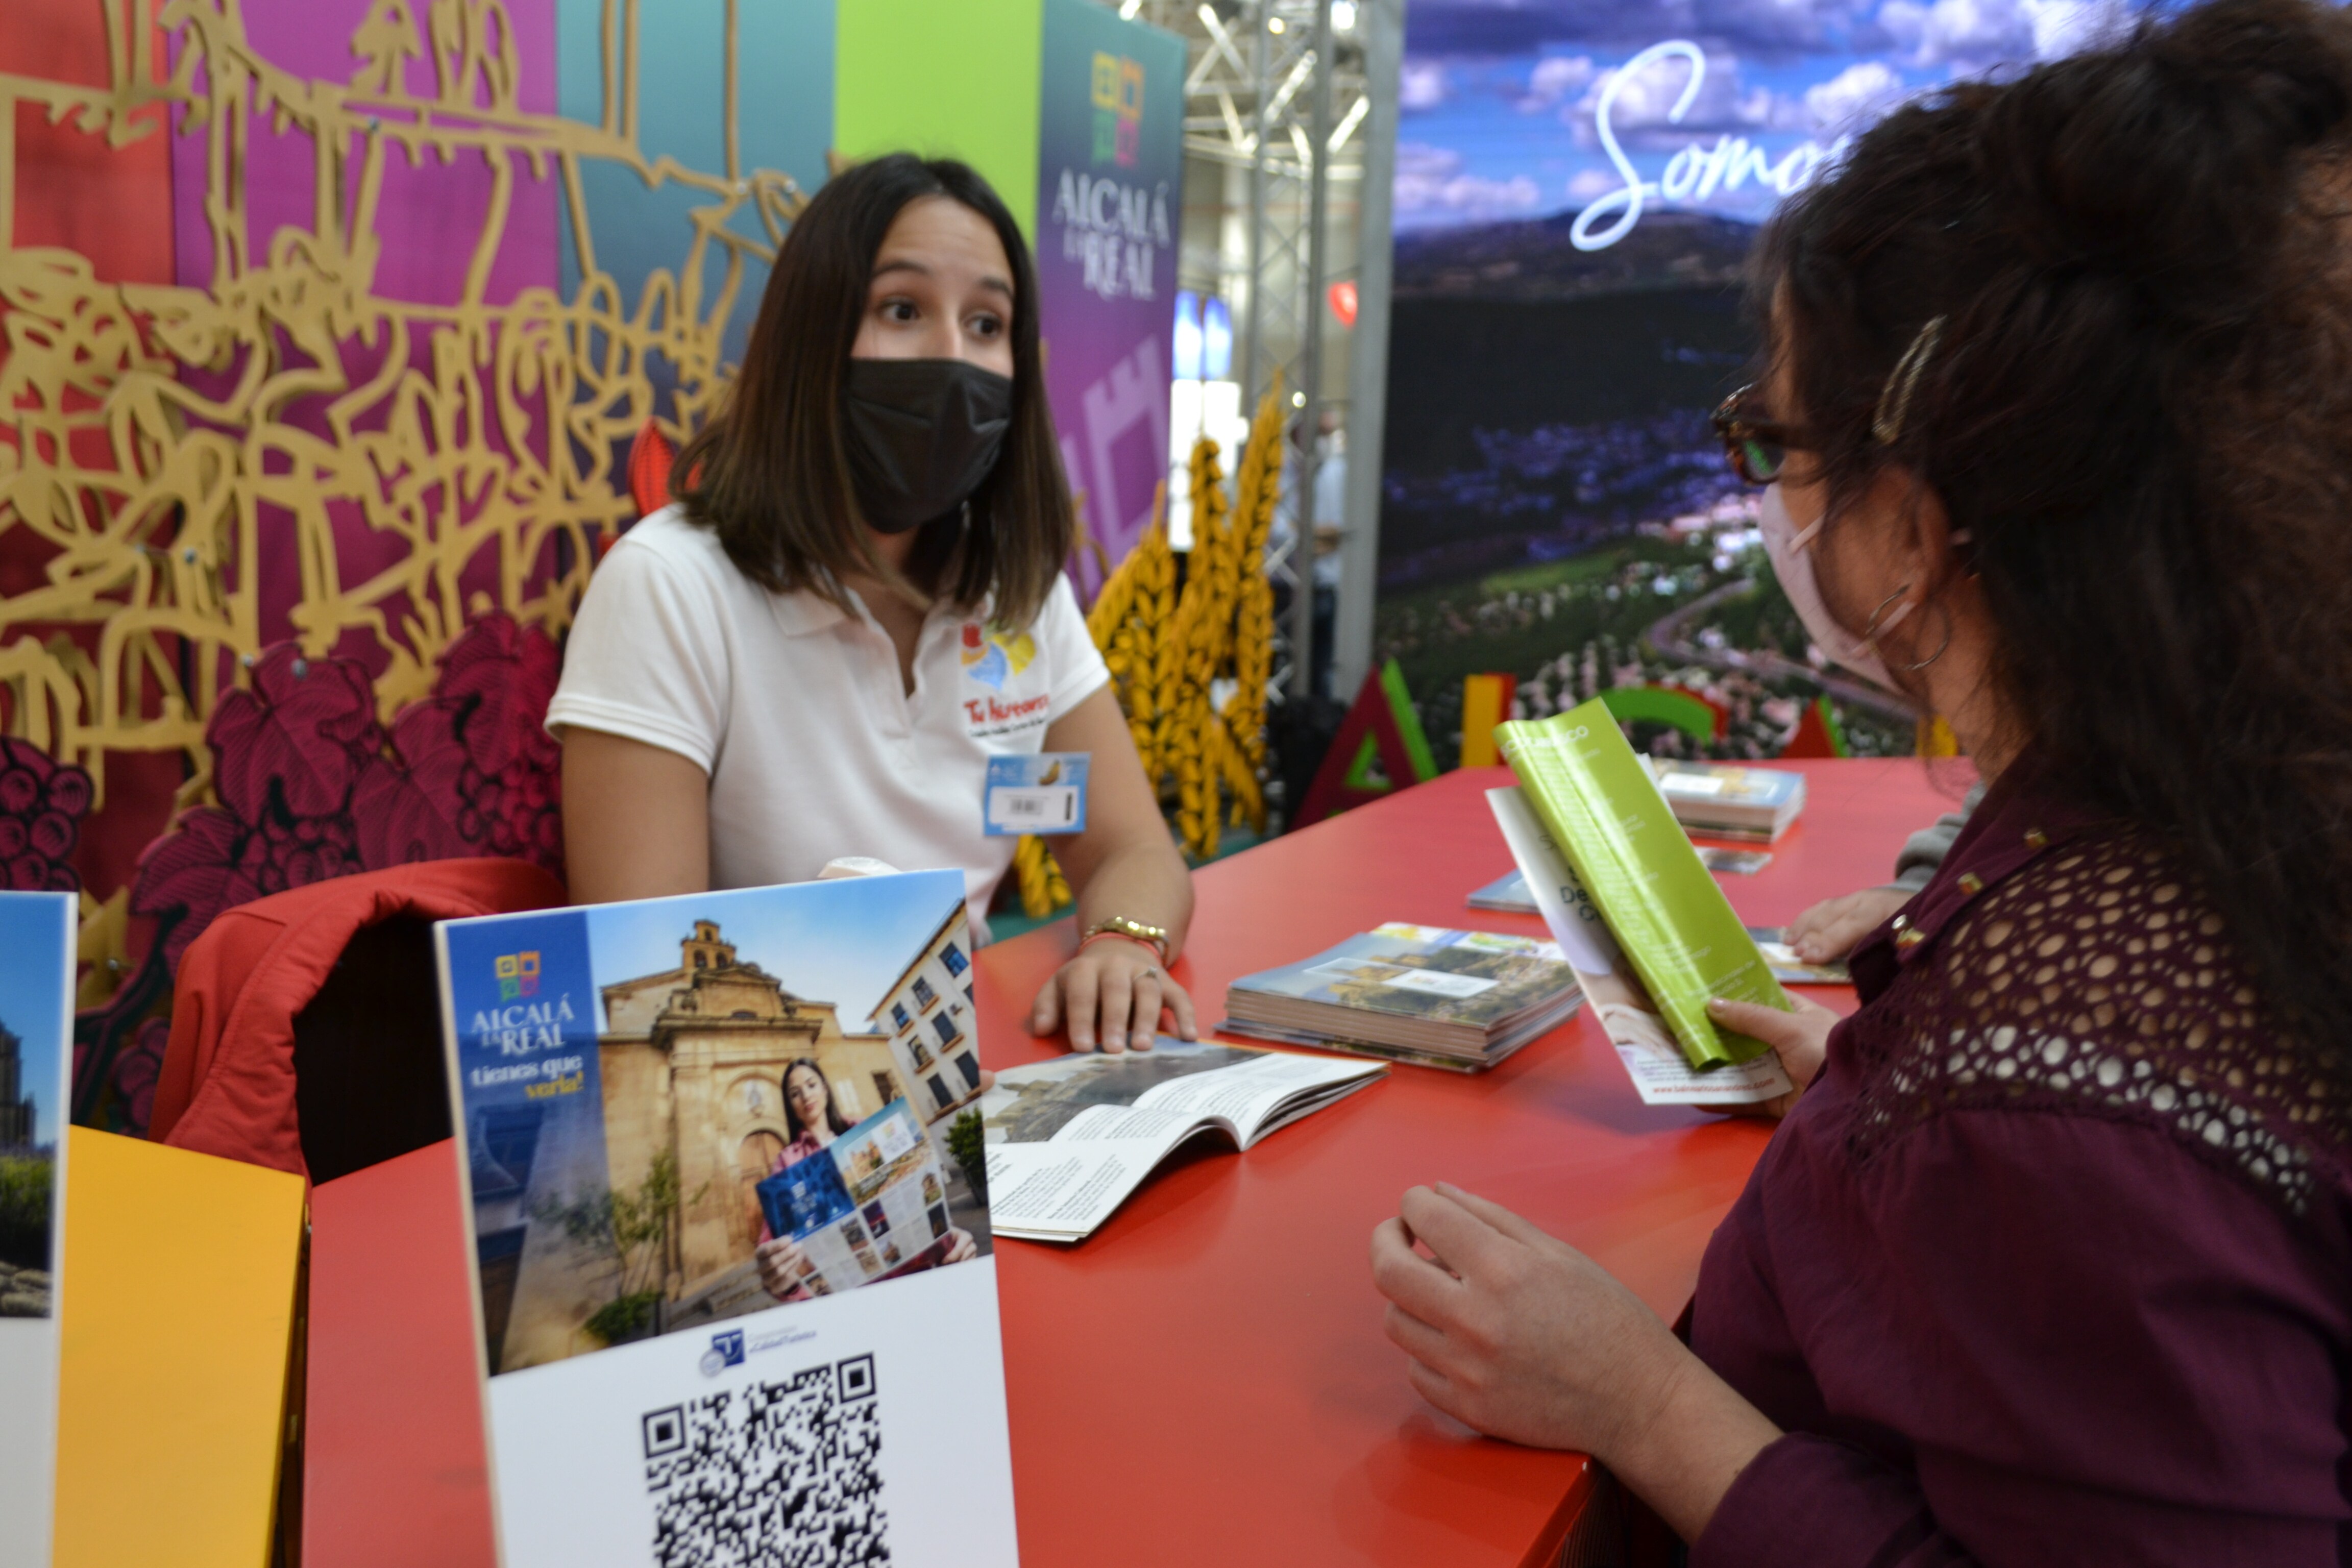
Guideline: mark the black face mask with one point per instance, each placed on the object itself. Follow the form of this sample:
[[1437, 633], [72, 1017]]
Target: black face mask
[[923, 434]]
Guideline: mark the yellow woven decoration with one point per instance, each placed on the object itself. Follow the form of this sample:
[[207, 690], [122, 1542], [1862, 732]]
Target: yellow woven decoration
[[1127, 623], [1043, 888], [1167, 652], [1245, 711]]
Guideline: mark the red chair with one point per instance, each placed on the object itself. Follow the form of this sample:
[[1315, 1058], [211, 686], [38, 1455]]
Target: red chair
[[306, 1026]]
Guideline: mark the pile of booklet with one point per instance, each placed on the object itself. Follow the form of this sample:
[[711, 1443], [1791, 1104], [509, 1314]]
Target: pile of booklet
[[1456, 999], [1725, 800]]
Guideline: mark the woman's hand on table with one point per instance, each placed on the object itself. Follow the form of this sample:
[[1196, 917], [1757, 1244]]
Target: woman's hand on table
[[1514, 1332], [1111, 993], [1519, 1335], [1801, 1039], [1828, 931]]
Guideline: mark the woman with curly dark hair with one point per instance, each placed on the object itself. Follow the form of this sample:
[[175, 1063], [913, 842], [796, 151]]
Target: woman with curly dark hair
[[2052, 1262]]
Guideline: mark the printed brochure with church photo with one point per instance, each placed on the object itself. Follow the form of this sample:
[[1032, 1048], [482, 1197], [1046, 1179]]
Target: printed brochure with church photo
[[736, 1290]]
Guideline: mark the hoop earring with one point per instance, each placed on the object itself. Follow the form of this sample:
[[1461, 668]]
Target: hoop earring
[[1870, 632]]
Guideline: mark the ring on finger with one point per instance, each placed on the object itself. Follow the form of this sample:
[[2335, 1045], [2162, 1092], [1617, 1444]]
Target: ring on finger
[[1147, 974]]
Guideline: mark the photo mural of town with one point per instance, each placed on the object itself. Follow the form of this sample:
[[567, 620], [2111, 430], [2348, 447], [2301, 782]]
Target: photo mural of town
[[1578, 185]]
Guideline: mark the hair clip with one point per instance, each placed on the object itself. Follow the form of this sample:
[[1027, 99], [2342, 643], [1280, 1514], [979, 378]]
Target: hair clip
[[1886, 425]]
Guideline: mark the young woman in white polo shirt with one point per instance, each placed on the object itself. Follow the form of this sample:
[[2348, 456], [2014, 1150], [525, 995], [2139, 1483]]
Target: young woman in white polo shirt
[[858, 599]]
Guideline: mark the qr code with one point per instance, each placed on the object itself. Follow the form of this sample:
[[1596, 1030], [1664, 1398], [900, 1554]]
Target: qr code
[[773, 1475]]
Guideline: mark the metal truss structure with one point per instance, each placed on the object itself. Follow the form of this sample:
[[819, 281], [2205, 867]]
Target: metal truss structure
[[1276, 91]]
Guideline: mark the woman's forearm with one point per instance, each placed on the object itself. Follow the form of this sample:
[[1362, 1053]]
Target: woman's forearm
[[1146, 882], [1682, 1456]]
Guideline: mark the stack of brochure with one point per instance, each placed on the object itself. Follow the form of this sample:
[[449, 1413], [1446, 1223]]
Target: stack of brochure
[[1456, 999], [1727, 801]]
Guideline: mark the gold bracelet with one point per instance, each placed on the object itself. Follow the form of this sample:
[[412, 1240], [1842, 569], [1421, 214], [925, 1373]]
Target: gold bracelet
[[1119, 925]]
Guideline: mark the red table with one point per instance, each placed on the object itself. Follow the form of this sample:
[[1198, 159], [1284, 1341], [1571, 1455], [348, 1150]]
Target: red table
[[1206, 1380]]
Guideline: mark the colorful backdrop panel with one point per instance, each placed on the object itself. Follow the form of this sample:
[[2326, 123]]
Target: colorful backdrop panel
[[713, 85], [952, 81], [1578, 186], [1110, 180]]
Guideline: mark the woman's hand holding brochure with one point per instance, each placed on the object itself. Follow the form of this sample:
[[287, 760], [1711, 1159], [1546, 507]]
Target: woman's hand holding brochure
[[1799, 1039]]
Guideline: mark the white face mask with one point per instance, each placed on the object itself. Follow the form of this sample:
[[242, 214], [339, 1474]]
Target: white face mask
[[1792, 562]]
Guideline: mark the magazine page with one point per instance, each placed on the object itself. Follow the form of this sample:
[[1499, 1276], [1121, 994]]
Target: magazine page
[[1069, 1139], [37, 982], [1662, 1074], [735, 1286], [1602, 809]]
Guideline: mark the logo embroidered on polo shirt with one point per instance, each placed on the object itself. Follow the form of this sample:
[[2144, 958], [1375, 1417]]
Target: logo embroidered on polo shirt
[[991, 658]]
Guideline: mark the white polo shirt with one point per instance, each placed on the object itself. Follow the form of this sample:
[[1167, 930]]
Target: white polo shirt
[[813, 746]]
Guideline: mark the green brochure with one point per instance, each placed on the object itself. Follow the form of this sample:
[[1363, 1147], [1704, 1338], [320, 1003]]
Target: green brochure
[[1602, 807]]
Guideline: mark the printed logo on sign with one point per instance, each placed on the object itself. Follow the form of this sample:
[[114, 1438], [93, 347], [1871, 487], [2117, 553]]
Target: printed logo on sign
[[726, 1350], [1118, 110], [518, 975]]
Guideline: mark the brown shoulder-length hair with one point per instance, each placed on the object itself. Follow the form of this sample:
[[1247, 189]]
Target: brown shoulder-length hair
[[770, 473], [2139, 405]]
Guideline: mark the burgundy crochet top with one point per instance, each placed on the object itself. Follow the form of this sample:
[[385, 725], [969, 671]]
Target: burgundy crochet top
[[2052, 1264]]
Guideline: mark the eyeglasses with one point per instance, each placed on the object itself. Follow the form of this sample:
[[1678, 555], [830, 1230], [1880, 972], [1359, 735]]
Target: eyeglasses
[[1758, 449]]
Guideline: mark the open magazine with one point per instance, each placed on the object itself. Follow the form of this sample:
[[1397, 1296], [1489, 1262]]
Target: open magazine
[[1069, 1139]]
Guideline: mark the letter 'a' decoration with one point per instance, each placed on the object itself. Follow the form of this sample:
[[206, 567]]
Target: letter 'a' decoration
[[1381, 730]]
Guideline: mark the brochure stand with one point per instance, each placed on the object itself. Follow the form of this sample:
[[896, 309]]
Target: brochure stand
[[734, 1290]]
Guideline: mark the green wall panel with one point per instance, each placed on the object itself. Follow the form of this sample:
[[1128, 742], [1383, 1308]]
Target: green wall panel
[[958, 80]]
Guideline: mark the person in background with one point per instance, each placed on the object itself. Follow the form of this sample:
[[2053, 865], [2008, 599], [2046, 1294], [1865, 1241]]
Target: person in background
[[857, 600], [1329, 509], [2051, 1261]]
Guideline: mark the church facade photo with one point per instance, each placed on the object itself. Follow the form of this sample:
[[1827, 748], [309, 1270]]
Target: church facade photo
[[693, 1061]]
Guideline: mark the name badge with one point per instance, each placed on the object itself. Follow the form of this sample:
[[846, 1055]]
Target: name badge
[[1045, 792]]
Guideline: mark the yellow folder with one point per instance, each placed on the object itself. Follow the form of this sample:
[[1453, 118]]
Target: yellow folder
[[177, 1304]]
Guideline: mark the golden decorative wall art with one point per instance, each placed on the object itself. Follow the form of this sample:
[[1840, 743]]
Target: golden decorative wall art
[[417, 464]]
